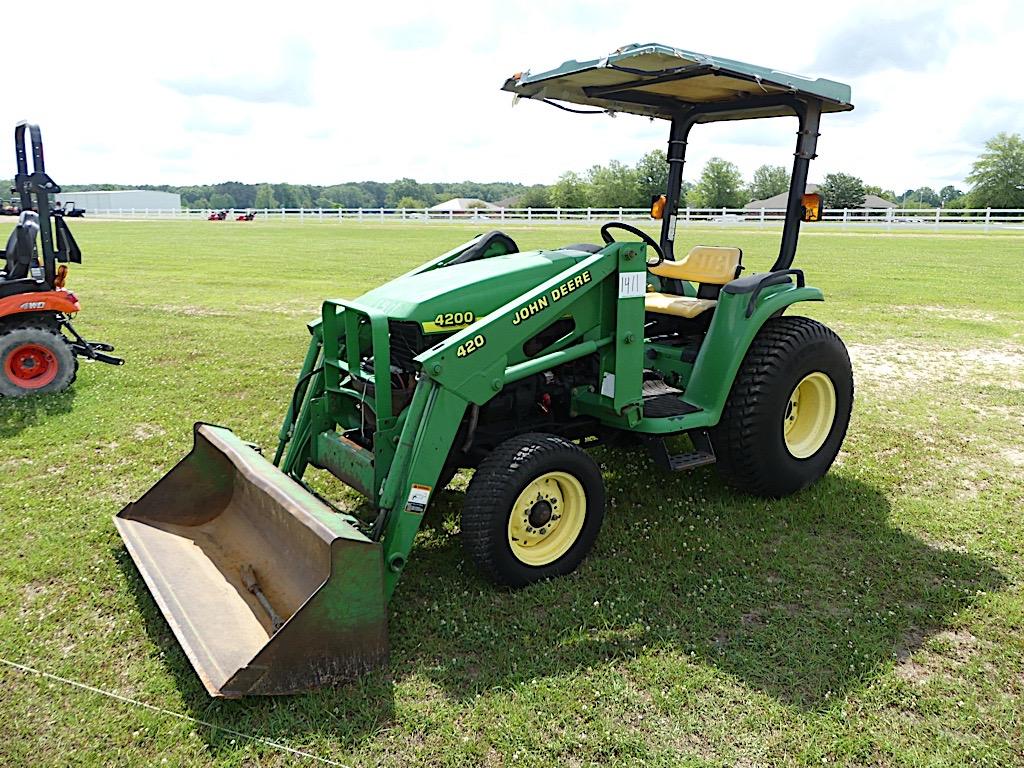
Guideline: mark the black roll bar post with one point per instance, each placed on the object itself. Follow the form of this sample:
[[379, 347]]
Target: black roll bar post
[[680, 130], [41, 185], [809, 113]]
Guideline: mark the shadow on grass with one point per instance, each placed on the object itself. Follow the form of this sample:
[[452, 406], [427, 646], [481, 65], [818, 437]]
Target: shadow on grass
[[19, 413], [803, 599]]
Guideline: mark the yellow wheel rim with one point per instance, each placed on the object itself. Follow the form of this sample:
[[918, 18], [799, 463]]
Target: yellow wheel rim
[[810, 412], [547, 518]]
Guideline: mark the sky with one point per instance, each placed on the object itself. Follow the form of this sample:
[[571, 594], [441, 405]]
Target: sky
[[323, 93]]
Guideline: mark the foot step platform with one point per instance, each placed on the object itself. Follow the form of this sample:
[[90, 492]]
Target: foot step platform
[[661, 400], [702, 454]]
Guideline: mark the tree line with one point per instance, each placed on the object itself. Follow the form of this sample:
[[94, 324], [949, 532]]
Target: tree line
[[996, 179]]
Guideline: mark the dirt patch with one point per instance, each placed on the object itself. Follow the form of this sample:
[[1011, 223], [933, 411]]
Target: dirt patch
[[303, 309], [1004, 412], [1007, 358], [913, 672], [918, 659], [906, 667], [146, 431], [30, 594], [8, 464], [895, 364], [190, 310], [33, 589], [909, 643], [961, 478], [1014, 456], [789, 609], [961, 644], [493, 758], [953, 313], [753, 619]]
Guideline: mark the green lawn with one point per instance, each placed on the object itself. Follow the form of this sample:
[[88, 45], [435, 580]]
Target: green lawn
[[877, 618]]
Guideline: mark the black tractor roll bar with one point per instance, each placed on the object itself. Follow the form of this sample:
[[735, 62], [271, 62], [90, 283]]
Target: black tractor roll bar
[[807, 111], [38, 183]]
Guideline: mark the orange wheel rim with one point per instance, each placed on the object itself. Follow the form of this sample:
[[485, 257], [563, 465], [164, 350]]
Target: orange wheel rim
[[31, 366]]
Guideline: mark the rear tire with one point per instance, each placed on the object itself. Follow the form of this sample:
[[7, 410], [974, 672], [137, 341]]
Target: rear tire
[[35, 359], [533, 510], [788, 411]]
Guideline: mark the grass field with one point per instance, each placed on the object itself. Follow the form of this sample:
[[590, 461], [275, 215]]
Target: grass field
[[877, 618]]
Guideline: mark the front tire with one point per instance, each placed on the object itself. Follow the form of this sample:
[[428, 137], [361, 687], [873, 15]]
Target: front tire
[[533, 510], [35, 359], [788, 410]]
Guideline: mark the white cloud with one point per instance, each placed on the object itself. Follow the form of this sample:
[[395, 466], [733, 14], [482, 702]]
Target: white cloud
[[286, 81], [872, 42], [331, 92]]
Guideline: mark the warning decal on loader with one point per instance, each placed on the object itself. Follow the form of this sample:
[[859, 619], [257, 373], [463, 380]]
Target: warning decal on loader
[[418, 496]]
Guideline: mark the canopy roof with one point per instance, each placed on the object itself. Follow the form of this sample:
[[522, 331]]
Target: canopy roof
[[659, 81]]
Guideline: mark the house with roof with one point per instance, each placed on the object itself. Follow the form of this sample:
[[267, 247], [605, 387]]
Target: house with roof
[[463, 205], [871, 202]]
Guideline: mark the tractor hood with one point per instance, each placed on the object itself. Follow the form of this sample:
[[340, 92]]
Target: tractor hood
[[446, 299]]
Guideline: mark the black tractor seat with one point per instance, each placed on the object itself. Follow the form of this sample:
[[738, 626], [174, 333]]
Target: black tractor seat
[[494, 243], [20, 252], [19, 257], [585, 247]]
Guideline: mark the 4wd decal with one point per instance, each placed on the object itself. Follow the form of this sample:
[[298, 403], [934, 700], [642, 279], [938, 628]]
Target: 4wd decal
[[33, 305]]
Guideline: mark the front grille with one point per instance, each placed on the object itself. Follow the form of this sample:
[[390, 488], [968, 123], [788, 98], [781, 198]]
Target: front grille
[[407, 341]]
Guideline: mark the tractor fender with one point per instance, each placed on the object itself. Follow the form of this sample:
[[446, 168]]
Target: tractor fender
[[736, 321], [44, 302]]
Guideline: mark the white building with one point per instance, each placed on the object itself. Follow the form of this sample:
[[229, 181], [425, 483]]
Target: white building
[[463, 205], [126, 199]]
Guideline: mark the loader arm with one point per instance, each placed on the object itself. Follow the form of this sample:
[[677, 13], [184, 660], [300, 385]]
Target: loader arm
[[469, 367]]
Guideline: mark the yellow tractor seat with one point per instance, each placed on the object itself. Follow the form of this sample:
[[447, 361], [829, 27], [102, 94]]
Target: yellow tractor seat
[[679, 306], [710, 266]]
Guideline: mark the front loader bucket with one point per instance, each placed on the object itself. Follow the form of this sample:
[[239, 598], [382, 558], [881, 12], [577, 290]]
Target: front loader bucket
[[230, 547]]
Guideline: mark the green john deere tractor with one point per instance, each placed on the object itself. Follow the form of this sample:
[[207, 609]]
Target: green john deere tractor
[[511, 363]]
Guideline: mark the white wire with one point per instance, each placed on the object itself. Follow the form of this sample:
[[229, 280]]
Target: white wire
[[162, 711]]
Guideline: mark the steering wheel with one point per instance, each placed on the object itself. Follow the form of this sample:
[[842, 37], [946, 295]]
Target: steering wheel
[[647, 239]]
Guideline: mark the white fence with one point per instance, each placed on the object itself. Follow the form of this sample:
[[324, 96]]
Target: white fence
[[889, 218]]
